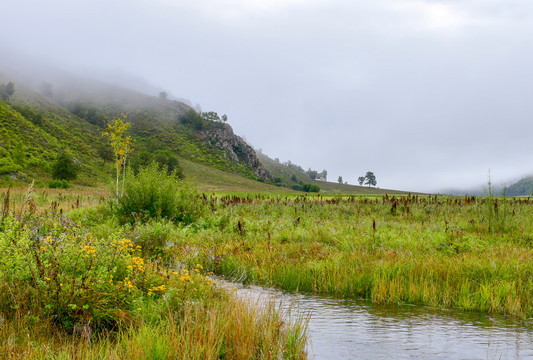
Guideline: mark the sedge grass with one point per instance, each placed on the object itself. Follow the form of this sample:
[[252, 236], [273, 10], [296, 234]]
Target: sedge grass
[[438, 251]]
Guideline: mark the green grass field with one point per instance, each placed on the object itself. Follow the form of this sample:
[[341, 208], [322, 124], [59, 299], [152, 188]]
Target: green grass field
[[85, 276]]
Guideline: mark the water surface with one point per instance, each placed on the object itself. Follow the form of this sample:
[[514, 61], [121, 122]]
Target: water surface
[[355, 329]]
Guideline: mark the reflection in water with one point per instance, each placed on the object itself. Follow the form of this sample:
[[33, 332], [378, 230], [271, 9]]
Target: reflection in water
[[355, 329]]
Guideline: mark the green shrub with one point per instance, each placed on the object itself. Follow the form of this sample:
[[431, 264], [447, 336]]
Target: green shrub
[[59, 184], [162, 157], [154, 193], [53, 269], [311, 188], [153, 236], [306, 188], [64, 168]]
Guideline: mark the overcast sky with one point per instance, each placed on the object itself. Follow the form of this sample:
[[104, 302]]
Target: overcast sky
[[426, 94]]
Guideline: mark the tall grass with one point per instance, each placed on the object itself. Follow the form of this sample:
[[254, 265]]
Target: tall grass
[[229, 329], [79, 287], [438, 251]]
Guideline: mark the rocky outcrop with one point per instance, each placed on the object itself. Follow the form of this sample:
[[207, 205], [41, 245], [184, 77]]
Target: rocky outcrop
[[235, 148]]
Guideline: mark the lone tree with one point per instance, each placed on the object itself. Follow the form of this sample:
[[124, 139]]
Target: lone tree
[[7, 90], [211, 116], [339, 180], [64, 168], [370, 179]]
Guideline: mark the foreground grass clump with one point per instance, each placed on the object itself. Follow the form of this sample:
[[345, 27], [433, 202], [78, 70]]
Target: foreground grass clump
[[473, 254], [213, 328], [153, 193], [79, 287]]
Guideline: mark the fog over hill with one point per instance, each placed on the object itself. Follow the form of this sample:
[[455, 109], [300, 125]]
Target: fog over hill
[[426, 94]]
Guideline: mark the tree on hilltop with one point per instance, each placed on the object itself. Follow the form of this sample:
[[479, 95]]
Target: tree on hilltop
[[370, 179]]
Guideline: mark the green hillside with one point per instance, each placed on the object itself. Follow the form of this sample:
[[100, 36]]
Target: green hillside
[[209, 179], [35, 129], [523, 187]]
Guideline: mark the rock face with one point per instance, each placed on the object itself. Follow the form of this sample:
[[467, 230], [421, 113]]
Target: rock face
[[235, 148]]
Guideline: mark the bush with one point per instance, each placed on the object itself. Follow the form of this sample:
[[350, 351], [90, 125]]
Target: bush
[[59, 184], [64, 168], [35, 117], [65, 274], [164, 158], [154, 193], [306, 188], [311, 188]]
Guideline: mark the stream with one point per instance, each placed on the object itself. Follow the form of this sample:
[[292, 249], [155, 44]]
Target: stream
[[342, 328]]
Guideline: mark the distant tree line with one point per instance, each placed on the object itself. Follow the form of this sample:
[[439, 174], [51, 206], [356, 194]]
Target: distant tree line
[[306, 187]]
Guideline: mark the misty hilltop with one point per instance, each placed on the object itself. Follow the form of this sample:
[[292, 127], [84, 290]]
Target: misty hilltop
[[70, 117], [66, 116]]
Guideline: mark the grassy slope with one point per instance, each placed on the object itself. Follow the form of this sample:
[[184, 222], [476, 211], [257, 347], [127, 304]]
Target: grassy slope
[[209, 179]]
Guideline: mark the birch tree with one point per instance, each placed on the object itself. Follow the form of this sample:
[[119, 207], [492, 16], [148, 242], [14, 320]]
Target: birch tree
[[122, 146]]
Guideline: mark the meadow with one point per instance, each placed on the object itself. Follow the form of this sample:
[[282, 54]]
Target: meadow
[[78, 283], [83, 275], [472, 254]]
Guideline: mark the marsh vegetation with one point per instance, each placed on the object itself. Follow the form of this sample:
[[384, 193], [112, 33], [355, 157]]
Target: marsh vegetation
[[83, 275]]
